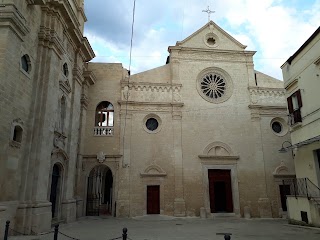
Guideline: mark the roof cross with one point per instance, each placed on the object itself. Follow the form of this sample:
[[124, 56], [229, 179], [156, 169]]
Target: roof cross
[[208, 11]]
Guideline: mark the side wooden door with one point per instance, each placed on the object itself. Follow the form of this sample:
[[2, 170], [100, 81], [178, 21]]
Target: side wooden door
[[153, 199]]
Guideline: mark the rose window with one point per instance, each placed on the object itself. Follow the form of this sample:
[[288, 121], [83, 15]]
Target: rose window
[[213, 85]]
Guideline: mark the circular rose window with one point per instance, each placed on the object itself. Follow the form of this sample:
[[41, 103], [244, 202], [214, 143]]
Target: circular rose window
[[214, 86]]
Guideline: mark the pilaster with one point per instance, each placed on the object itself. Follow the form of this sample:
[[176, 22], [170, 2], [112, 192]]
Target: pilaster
[[179, 202]]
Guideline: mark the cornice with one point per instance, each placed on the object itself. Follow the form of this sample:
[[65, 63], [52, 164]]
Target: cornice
[[210, 50], [70, 19], [267, 91], [268, 107], [50, 38], [87, 50], [163, 87], [11, 17], [89, 77], [215, 157], [107, 156], [161, 104], [36, 2], [290, 84], [154, 104], [77, 75]]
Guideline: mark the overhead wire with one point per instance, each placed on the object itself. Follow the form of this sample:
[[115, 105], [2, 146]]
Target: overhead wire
[[129, 73], [127, 93]]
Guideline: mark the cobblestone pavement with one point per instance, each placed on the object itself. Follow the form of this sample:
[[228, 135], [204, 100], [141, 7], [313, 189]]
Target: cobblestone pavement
[[165, 228]]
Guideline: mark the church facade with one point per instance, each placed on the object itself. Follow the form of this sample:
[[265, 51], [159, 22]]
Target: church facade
[[198, 136]]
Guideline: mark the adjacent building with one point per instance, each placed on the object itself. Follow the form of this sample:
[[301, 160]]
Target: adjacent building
[[301, 74]]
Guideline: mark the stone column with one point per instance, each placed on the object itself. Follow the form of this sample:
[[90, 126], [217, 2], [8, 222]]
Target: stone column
[[179, 202]]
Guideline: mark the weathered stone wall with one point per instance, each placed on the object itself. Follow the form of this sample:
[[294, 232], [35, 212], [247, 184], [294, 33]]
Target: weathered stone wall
[[32, 100]]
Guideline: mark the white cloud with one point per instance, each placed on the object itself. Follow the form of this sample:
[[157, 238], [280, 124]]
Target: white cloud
[[274, 28]]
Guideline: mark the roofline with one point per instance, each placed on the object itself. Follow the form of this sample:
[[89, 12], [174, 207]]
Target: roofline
[[290, 59]]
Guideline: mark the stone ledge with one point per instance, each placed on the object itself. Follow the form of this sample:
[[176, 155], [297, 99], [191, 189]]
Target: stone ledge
[[215, 157]]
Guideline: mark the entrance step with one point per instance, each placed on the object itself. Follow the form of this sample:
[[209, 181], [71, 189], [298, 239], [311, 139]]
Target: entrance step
[[224, 216]]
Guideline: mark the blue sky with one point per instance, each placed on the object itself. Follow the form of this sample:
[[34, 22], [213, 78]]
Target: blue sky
[[273, 28]]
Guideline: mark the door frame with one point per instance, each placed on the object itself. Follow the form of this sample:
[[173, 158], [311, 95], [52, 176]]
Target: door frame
[[149, 182], [225, 178], [234, 187]]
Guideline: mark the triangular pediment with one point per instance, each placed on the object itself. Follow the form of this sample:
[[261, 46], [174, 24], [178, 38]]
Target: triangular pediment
[[211, 36]]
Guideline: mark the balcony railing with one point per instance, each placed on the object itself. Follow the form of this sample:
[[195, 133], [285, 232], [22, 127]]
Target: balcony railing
[[303, 187], [103, 131], [295, 117]]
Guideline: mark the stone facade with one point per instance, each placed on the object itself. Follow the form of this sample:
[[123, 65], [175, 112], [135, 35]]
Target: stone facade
[[191, 137], [42, 82], [195, 133]]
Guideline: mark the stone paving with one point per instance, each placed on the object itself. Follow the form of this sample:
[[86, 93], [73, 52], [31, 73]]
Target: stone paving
[[166, 228]]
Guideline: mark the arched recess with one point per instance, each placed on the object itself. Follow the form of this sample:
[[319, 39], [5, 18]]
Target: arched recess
[[217, 149], [56, 190], [58, 176], [100, 191]]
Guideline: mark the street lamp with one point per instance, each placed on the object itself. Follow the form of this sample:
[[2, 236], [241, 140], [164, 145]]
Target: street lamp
[[285, 149]]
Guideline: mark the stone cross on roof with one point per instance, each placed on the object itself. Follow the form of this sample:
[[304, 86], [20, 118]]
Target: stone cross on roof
[[208, 11]]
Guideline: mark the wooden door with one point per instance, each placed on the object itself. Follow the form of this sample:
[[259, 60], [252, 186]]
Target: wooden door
[[220, 190], [153, 199]]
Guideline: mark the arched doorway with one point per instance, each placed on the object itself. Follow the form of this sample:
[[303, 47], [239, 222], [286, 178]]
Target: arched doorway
[[99, 191], [55, 190]]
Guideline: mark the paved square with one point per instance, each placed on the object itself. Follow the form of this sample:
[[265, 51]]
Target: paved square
[[164, 228]]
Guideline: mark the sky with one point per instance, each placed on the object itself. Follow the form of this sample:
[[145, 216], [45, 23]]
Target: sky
[[273, 28]]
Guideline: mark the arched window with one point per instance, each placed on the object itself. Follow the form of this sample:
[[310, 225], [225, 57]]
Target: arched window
[[104, 114], [62, 112], [65, 69], [17, 134]]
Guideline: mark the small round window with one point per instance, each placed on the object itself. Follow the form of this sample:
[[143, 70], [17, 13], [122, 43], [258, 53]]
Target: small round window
[[276, 127], [279, 126], [211, 40], [152, 124]]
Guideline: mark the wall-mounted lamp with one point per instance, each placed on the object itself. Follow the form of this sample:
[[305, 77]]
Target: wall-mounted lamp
[[286, 149]]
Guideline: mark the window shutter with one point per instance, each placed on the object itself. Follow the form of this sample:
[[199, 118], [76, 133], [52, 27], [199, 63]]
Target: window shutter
[[299, 98], [290, 106]]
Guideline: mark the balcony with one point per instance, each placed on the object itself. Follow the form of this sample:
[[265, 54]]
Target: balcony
[[103, 131], [295, 117]]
